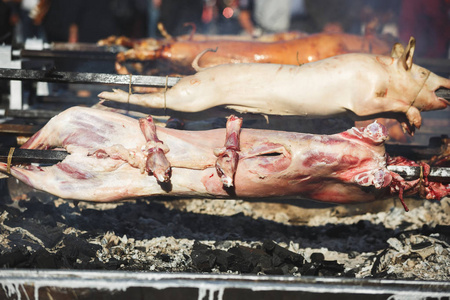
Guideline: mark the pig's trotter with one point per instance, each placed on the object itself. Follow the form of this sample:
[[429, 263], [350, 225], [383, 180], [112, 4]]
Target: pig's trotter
[[414, 118], [227, 157], [115, 95], [157, 163]]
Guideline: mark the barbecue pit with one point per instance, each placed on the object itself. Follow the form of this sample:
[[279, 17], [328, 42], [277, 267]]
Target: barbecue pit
[[376, 250]]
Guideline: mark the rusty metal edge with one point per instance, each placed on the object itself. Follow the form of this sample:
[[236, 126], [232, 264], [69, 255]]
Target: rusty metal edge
[[11, 280]]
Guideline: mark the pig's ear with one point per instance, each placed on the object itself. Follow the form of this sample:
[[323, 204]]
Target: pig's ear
[[407, 57], [397, 50]]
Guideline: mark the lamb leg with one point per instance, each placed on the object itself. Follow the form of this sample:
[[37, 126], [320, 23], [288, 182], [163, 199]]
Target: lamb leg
[[228, 157], [157, 163]]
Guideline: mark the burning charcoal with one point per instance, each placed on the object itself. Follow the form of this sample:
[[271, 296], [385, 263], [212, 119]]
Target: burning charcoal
[[274, 271], [317, 257], [224, 260], [234, 262], [49, 235], [112, 264], [277, 260], [284, 254], [444, 232], [258, 258], [309, 269], [12, 259], [203, 257], [350, 273], [331, 268], [164, 257], [76, 247], [42, 259], [421, 246]]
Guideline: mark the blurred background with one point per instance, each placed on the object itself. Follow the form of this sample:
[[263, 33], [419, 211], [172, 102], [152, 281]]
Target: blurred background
[[89, 21]]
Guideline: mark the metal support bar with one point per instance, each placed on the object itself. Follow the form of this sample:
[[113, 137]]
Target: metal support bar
[[15, 101], [62, 284]]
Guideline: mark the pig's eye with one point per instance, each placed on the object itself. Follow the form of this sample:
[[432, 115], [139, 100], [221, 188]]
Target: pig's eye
[[423, 73]]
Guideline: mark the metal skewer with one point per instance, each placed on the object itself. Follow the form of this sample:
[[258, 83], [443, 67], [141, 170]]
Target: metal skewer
[[110, 79], [27, 156], [87, 78]]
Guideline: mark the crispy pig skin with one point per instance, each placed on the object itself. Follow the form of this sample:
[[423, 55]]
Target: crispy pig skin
[[298, 50], [359, 85]]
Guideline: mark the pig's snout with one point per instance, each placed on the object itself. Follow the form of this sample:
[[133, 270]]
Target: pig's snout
[[443, 95], [442, 89], [435, 94]]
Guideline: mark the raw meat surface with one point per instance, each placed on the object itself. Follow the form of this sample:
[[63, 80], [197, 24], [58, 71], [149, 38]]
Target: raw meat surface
[[343, 168]]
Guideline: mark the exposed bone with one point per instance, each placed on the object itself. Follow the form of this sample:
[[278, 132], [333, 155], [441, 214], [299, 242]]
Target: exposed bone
[[228, 157], [157, 163]]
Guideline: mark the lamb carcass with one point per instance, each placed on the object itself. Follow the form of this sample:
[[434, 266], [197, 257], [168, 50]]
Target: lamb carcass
[[115, 157]]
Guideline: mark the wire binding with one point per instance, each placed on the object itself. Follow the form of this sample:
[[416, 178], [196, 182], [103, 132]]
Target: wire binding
[[9, 160]]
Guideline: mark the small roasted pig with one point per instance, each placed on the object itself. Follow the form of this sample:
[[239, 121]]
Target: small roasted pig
[[179, 53], [364, 85], [110, 154]]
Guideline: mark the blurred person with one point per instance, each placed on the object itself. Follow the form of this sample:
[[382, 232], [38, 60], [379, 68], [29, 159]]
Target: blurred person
[[378, 17], [174, 14], [88, 21], [130, 16], [28, 28], [153, 7], [332, 16], [264, 16], [99, 19], [6, 24], [428, 21], [221, 17], [57, 17], [299, 16]]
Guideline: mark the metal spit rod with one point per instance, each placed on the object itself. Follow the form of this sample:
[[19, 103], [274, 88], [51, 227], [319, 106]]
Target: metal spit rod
[[26, 156], [88, 78], [110, 79]]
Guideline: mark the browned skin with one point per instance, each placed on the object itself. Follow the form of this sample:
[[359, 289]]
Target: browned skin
[[296, 51]]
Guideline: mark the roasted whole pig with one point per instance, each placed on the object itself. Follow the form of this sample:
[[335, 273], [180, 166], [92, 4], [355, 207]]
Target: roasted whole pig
[[155, 43], [179, 54], [115, 157], [365, 85]]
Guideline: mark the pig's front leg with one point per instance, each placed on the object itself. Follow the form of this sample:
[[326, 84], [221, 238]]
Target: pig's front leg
[[414, 118], [227, 157], [385, 104], [157, 163], [153, 100]]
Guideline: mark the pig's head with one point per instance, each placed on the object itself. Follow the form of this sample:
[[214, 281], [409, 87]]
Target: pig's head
[[418, 84]]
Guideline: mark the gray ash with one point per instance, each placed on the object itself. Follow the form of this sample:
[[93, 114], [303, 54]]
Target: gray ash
[[227, 236]]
